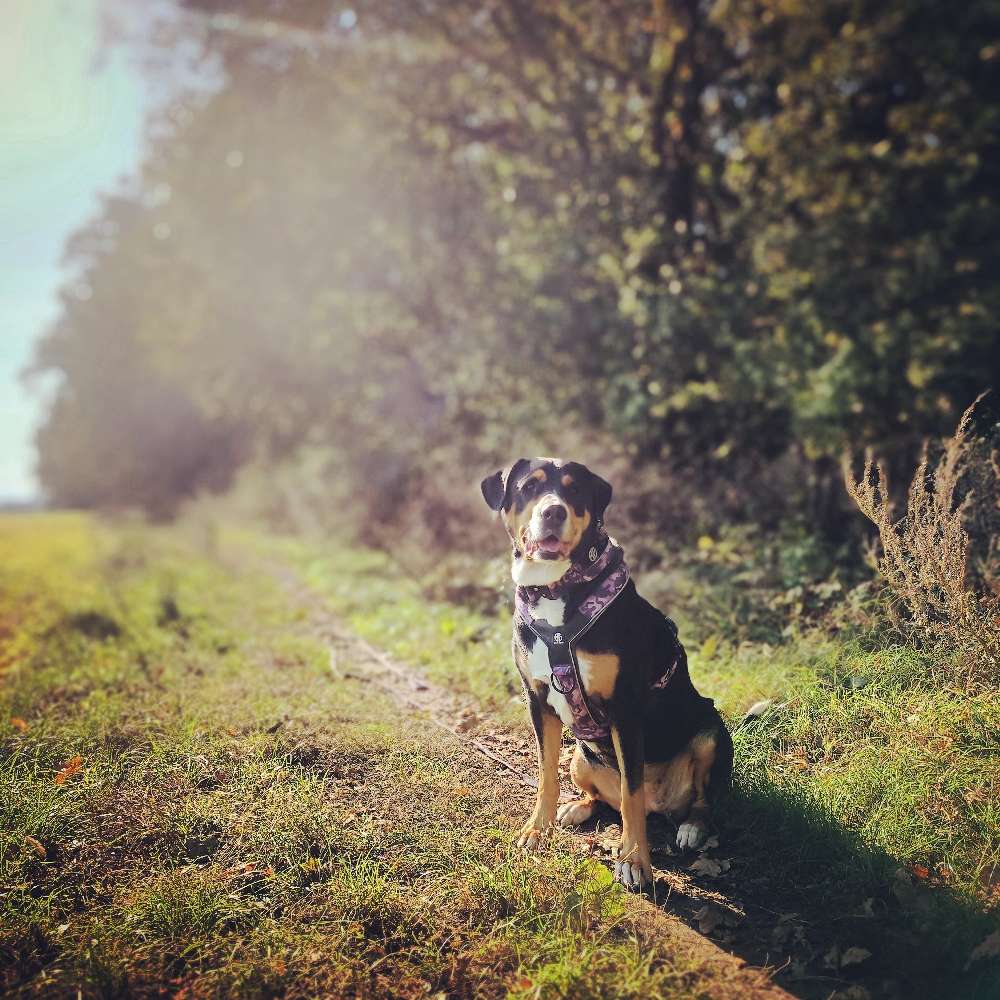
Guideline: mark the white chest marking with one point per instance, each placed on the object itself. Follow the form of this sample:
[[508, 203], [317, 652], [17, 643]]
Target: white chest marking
[[553, 612], [538, 662]]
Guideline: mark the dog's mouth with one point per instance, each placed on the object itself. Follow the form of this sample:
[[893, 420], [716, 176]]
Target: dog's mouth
[[548, 547]]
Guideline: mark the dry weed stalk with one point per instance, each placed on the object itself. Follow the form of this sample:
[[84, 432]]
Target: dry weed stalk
[[925, 554]]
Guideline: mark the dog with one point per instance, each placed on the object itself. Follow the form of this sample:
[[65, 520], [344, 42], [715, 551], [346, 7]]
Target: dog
[[595, 656]]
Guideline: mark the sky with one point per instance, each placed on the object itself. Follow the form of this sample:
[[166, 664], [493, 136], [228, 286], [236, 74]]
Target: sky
[[70, 128]]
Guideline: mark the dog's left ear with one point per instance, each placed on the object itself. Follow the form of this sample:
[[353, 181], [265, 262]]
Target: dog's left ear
[[602, 496], [495, 487]]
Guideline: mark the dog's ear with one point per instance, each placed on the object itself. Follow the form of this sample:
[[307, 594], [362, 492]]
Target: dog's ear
[[495, 487], [602, 495]]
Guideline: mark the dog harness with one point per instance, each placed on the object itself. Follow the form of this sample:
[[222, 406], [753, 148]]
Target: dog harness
[[607, 573]]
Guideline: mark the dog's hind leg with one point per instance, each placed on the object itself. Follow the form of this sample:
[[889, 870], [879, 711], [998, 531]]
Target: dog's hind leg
[[585, 777], [694, 827]]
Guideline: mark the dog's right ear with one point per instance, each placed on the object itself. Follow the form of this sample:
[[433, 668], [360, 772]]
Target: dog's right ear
[[495, 487]]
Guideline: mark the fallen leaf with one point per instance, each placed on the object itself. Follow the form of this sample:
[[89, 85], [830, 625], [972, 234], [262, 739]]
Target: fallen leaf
[[709, 867], [989, 947], [36, 845], [711, 916], [461, 791], [71, 767], [854, 956], [469, 720], [921, 871], [709, 844], [19, 724]]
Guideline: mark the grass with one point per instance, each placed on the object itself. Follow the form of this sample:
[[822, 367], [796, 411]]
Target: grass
[[192, 804], [866, 799]]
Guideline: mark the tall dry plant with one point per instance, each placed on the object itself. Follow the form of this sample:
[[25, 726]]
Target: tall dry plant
[[925, 553]]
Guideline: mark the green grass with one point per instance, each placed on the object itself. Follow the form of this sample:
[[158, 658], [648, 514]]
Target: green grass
[[867, 802], [242, 822]]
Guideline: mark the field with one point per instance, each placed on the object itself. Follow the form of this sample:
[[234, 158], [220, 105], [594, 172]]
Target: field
[[226, 771]]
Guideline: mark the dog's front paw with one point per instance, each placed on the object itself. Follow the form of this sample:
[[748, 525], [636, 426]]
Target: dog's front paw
[[576, 812], [691, 835], [633, 868], [532, 835]]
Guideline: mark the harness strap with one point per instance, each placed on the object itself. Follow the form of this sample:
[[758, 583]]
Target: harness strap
[[606, 576], [590, 721]]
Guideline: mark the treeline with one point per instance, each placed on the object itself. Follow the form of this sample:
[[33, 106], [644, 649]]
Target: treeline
[[714, 242]]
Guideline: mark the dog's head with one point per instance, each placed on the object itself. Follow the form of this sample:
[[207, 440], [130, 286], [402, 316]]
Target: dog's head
[[552, 511]]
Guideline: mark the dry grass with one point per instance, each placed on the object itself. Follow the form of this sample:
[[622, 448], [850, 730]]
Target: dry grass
[[925, 556]]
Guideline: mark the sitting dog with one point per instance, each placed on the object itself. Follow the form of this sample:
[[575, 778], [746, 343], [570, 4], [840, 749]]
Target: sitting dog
[[595, 656]]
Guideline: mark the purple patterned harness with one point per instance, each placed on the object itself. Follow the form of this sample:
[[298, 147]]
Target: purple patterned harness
[[609, 573]]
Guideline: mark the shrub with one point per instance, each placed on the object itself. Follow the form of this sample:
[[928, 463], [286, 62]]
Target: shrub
[[925, 557]]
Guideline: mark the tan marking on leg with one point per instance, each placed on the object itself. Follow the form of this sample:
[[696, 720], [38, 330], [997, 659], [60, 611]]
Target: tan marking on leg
[[593, 779], [584, 777], [693, 830], [669, 785], [544, 814], [581, 771], [599, 672], [634, 868]]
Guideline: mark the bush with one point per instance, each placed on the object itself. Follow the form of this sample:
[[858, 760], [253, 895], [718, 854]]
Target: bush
[[925, 556]]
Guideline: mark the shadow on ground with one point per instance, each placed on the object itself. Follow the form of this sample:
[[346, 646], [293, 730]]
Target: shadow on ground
[[797, 892]]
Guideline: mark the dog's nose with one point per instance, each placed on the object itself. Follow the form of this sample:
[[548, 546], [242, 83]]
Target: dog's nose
[[554, 515]]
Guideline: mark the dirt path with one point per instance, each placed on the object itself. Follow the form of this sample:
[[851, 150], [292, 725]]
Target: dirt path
[[681, 901]]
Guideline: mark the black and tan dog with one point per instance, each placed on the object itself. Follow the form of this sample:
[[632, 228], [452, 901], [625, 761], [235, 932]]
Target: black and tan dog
[[595, 656]]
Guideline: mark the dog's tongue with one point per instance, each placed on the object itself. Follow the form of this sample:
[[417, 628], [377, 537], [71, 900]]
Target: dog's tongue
[[550, 544]]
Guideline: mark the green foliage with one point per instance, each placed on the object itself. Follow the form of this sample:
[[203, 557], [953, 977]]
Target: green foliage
[[722, 240]]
